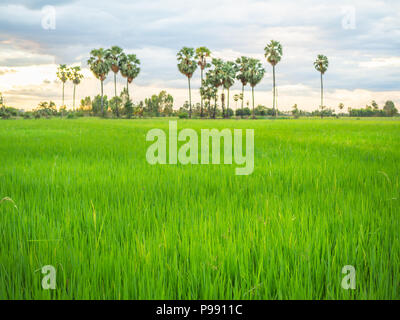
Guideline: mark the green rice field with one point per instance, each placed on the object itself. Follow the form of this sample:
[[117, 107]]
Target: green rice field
[[78, 194]]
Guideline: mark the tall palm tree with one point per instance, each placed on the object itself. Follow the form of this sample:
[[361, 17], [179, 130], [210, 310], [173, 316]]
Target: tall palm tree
[[129, 66], [242, 76], [273, 53], [100, 67], [255, 75], [187, 66], [321, 65], [202, 53], [113, 56], [229, 69], [63, 73], [75, 76]]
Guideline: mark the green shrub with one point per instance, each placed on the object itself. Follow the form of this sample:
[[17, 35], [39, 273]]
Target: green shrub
[[183, 115]]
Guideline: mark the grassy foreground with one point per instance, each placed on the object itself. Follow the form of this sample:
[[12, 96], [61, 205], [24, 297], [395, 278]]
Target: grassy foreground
[[323, 194]]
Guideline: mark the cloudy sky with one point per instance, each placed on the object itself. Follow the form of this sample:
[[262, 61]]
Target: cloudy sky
[[360, 38]]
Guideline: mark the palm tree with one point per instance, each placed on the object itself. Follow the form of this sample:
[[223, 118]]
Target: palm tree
[[202, 53], [321, 65], [75, 76], [229, 74], [242, 67], [213, 80], [187, 66], [208, 92], [255, 75], [129, 66], [63, 73], [113, 56], [273, 53], [216, 78], [100, 68]]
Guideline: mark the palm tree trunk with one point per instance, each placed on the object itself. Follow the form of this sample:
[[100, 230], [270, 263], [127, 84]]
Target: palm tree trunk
[[322, 96], [201, 97], [223, 102], [215, 107], [190, 100], [74, 96], [274, 104], [102, 102], [242, 99], [252, 94], [115, 84], [127, 87], [227, 107], [63, 94]]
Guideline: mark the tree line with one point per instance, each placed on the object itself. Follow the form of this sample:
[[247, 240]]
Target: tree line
[[216, 78]]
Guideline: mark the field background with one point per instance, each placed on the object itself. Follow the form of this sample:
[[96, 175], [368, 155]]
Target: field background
[[323, 194]]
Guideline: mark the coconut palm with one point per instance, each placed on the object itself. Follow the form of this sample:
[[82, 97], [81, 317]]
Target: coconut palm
[[100, 67], [202, 53], [321, 65], [229, 70], [75, 76], [63, 73], [273, 53], [113, 56], [129, 66], [255, 74], [242, 68], [187, 66]]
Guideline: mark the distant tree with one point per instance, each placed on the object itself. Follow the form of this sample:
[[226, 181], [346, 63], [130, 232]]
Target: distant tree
[[100, 67], [229, 70], [187, 65], [115, 105], [273, 53], [99, 105], [166, 102], [255, 75], [113, 56], [374, 105], [86, 104], [202, 53], [390, 109], [214, 78], [129, 66], [321, 65], [242, 75], [46, 109], [208, 92], [63, 74], [75, 76], [295, 111]]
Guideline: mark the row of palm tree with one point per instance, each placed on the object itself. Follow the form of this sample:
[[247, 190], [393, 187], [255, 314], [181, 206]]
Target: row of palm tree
[[246, 70], [102, 61], [73, 74], [221, 74]]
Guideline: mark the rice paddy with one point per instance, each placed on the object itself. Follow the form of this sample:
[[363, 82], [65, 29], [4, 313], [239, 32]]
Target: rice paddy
[[79, 195]]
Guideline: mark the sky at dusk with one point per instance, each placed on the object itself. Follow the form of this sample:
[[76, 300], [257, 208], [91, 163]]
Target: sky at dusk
[[360, 38]]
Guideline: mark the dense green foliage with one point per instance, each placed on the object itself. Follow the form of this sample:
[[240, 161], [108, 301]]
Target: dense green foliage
[[81, 197]]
